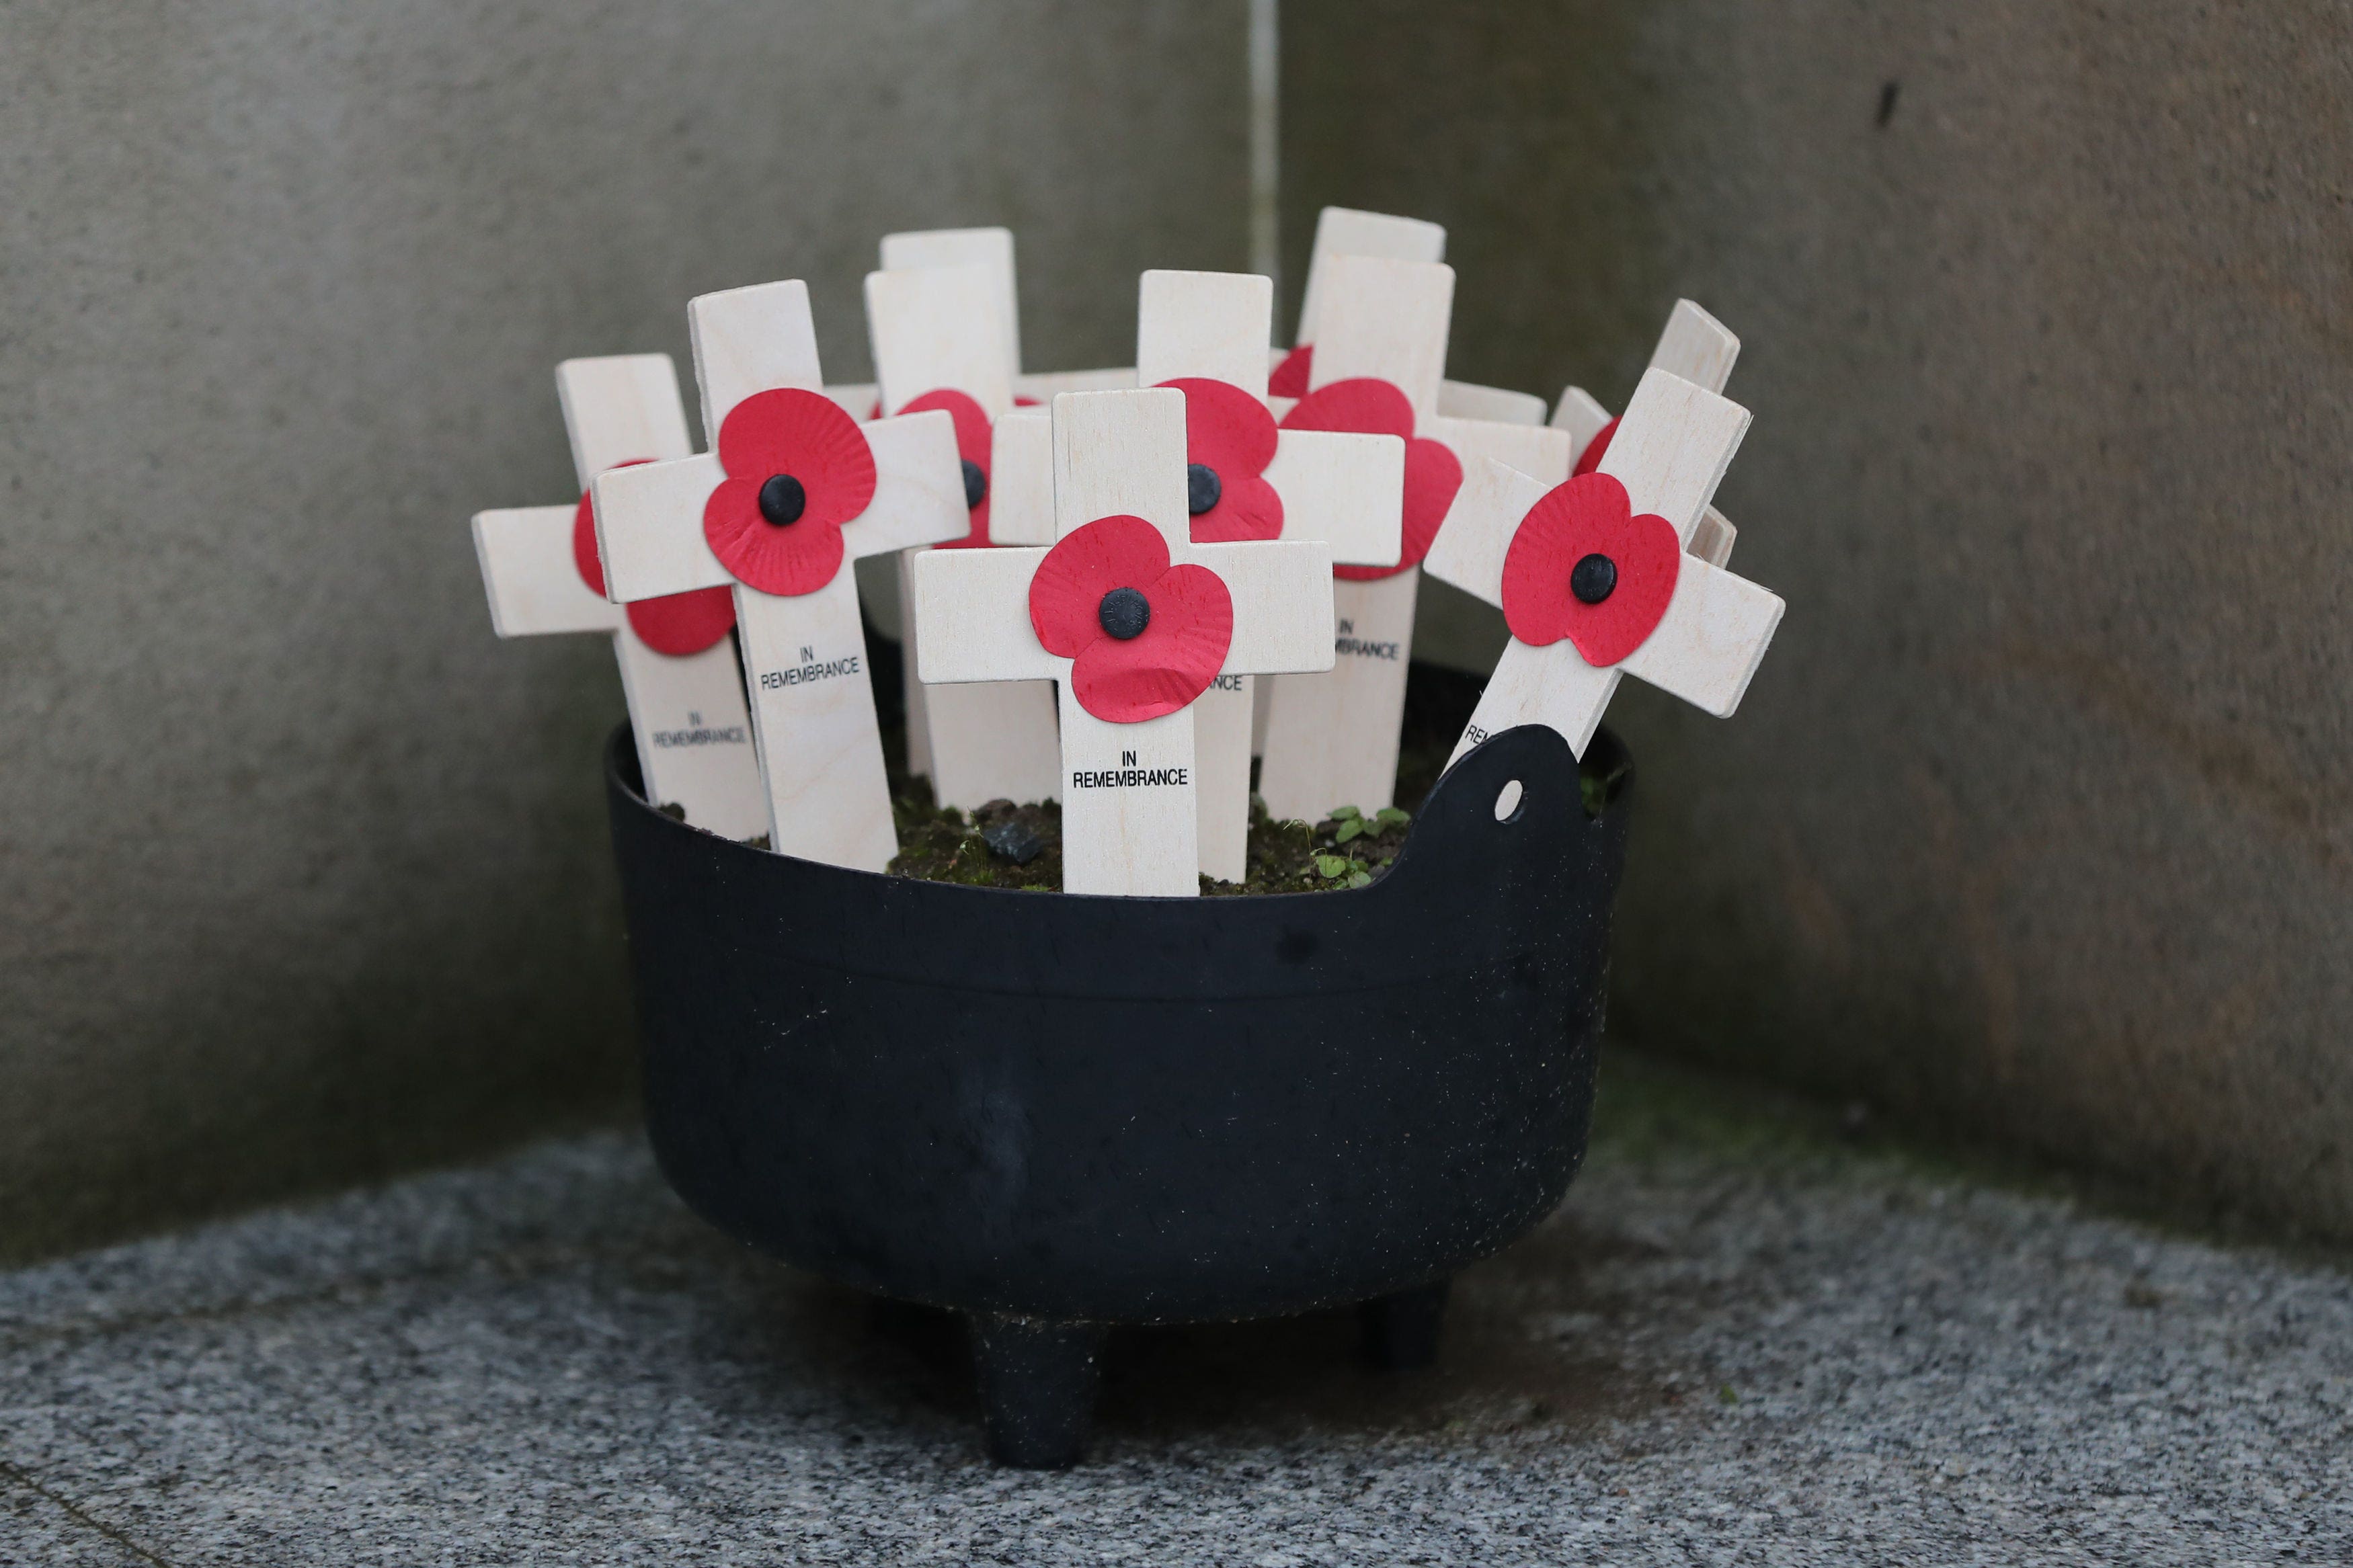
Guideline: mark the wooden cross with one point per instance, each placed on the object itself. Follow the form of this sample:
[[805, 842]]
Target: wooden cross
[[1332, 739], [1346, 490], [789, 493], [940, 341], [1341, 231], [993, 248], [684, 688], [1134, 621], [1694, 346], [1594, 576]]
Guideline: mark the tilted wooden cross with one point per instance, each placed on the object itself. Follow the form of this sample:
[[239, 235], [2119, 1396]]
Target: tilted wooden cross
[[1343, 231], [1136, 621], [940, 341], [1381, 329], [790, 490], [1593, 575], [1206, 333], [679, 670], [1700, 349]]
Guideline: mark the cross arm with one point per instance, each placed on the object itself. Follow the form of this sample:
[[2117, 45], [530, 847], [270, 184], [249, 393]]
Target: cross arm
[[1346, 489], [1716, 629], [529, 577], [1467, 400], [649, 528], [972, 617], [1673, 447], [1272, 584], [1536, 450], [1477, 532], [918, 486]]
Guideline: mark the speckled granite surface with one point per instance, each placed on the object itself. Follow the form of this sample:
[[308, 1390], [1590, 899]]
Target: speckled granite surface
[[1740, 1341]]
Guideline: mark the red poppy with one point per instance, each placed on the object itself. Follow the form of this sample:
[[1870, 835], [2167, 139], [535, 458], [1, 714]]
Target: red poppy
[[1290, 377], [1582, 566], [1144, 638], [972, 445], [1229, 438], [1432, 472], [797, 469], [1589, 460], [677, 624]]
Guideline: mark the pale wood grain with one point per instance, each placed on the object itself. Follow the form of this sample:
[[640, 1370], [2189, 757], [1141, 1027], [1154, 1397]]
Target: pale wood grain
[[649, 528], [528, 572], [973, 607], [1538, 450], [621, 408], [990, 249], [1673, 447], [1695, 346], [1021, 478], [1344, 231], [1132, 840], [1221, 769], [750, 340], [1714, 635], [1344, 489], [1552, 686], [918, 486], [693, 734], [1385, 319], [1212, 325], [813, 720], [1712, 540], [1477, 533], [1278, 588], [1332, 738], [1121, 454], [935, 328], [1467, 400]]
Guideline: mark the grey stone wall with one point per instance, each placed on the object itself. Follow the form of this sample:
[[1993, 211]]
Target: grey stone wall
[[306, 875], [2037, 822]]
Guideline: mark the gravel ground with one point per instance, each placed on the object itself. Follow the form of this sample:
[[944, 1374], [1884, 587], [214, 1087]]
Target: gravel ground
[[1742, 1340]]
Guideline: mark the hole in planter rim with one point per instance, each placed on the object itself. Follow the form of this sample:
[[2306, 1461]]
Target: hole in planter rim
[[1508, 802]]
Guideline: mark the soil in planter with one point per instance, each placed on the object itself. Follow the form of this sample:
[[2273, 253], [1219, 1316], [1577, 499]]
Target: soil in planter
[[1006, 845]]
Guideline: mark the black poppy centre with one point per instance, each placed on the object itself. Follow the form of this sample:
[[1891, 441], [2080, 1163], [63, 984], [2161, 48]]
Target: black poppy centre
[[1202, 487], [1593, 579], [1125, 612], [975, 484], [783, 499]]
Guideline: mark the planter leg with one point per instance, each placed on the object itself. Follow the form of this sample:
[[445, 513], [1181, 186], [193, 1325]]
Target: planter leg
[[1037, 1380], [1401, 1330]]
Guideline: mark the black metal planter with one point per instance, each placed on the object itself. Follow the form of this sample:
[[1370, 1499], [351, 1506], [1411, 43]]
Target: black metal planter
[[1059, 1114]]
